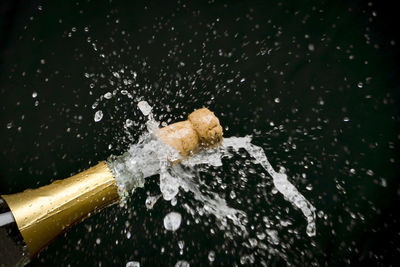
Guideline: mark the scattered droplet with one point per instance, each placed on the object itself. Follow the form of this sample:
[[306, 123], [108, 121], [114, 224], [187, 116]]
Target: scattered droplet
[[128, 123], [172, 221], [98, 116], [107, 95], [383, 182], [151, 200], [182, 264], [181, 244], [211, 256], [144, 107], [132, 264]]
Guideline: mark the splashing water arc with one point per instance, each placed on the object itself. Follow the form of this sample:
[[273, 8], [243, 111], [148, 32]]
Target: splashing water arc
[[151, 156]]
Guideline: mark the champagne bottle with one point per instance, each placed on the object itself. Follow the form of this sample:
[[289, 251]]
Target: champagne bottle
[[30, 220]]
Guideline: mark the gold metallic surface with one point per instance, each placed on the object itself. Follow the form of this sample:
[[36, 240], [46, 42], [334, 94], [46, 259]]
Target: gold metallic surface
[[44, 213]]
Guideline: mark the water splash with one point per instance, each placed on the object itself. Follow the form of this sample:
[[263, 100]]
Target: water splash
[[150, 156], [282, 184]]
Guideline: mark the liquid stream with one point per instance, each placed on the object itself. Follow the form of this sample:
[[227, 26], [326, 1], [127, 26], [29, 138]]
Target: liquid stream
[[150, 156]]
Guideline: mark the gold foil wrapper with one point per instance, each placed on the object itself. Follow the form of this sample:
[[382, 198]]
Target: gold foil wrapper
[[44, 213]]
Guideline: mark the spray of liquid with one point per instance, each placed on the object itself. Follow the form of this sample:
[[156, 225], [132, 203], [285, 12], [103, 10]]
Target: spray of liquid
[[150, 156]]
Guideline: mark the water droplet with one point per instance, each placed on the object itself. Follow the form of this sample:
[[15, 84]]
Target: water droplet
[[181, 244], [383, 182], [132, 264], [129, 123], [172, 221], [253, 242], [107, 95], [98, 116], [34, 95], [360, 85], [311, 47], [98, 241], [211, 256], [261, 235], [151, 200], [182, 264], [144, 107]]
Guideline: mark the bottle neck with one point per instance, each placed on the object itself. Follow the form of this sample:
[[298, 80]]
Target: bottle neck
[[44, 213], [14, 252]]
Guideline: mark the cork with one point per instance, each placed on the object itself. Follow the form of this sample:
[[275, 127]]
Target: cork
[[201, 130]]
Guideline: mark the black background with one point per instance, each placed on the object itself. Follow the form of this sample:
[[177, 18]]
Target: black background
[[44, 48]]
